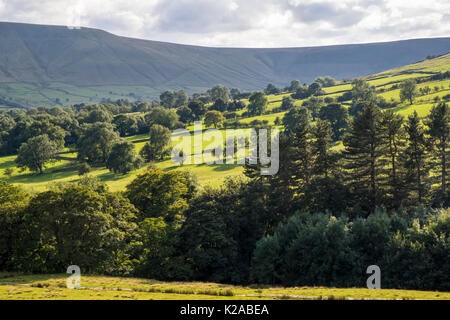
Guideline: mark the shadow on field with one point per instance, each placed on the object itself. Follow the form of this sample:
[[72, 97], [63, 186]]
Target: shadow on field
[[28, 278], [111, 176], [54, 173], [7, 164]]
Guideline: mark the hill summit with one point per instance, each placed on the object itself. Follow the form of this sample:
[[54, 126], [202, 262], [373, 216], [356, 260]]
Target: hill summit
[[40, 54]]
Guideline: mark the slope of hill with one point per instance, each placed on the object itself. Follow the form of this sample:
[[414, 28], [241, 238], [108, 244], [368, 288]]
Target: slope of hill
[[386, 83], [39, 63], [430, 66]]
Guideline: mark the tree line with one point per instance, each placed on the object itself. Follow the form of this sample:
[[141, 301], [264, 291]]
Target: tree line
[[321, 220], [382, 198]]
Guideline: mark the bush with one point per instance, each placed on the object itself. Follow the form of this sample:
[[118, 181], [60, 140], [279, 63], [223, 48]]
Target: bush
[[412, 250], [8, 172], [84, 168], [73, 224], [256, 122]]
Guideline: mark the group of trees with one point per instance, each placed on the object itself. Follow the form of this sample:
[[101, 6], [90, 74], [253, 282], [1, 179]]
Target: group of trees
[[99, 144], [95, 131], [38, 135], [83, 223], [163, 227], [173, 99], [295, 85], [335, 114], [409, 254], [303, 92], [321, 220], [386, 160]]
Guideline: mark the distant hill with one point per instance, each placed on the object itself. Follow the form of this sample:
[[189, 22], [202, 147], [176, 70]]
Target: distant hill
[[39, 55]]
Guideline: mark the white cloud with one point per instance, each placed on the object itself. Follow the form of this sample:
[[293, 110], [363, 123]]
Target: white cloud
[[247, 23]]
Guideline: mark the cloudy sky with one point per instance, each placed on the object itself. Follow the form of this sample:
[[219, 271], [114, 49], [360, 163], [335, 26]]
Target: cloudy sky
[[244, 23]]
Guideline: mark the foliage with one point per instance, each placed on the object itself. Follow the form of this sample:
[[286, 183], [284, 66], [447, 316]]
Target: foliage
[[314, 105], [363, 151], [287, 103], [323, 250], [438, 123], [122, 158], [157, 255], [219, 91], [198, 109], [156, 193], [338, 117], [415, 158], [271, 89], [362, 92], [185, 114], [36, 152], [164, 117], [95, 142], [326, 81], [75, 225], [173, 99], [158, 146], [408, 90], [257, 103], [214, 118], [11, 193], [293, 117], [126, 125], [84, 168]]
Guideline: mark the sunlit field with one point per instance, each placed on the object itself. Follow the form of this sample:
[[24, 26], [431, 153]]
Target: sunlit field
[[49, 287], [66, 170]]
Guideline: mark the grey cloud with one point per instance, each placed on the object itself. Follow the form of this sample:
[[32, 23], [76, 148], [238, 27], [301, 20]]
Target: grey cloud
[[196, 16], [253, 23], [326, 11]]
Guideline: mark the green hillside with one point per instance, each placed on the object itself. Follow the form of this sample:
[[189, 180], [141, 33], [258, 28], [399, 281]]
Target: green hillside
[[53, 65], [67, 170], [274, 237]]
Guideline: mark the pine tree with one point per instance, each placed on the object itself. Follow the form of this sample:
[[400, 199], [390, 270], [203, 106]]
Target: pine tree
[[394, 140], [415, 156], [320, 147], [301, 152], [363, 152], [296, 167], [438, 123]]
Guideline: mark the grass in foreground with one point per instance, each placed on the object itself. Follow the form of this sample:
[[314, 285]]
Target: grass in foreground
[[101, 287]]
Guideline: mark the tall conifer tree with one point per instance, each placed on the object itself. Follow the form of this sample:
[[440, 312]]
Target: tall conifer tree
[[363, 151], [416, 156], [438, 123]]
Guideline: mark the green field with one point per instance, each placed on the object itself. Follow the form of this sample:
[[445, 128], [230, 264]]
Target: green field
[[56, 93], [53, 287], [66, 171], [213, 175]]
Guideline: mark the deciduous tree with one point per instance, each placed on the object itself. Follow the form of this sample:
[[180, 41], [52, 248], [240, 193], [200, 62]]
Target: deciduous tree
[[36, 153]]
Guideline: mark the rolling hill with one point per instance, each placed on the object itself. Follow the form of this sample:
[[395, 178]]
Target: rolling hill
[[386, 83], [55, 65]]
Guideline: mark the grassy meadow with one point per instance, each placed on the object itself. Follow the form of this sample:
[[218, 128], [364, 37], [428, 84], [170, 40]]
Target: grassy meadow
[[53, 287]]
